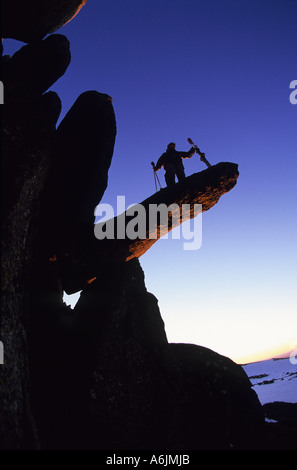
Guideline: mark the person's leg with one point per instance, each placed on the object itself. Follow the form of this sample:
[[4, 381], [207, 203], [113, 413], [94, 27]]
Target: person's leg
[[170, 175], [180, 173]]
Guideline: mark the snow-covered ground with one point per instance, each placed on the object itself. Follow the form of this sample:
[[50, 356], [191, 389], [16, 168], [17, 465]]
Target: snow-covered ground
[[274, 380]]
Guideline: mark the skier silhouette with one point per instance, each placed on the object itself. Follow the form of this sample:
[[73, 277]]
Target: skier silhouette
[[171, 160]]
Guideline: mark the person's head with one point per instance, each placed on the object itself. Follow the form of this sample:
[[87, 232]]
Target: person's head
[[171, 146]]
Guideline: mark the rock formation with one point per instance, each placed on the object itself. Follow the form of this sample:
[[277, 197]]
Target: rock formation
[[31, 20], [101, 376], [27, 138], [42, 63], [203, 188], [78, 173]]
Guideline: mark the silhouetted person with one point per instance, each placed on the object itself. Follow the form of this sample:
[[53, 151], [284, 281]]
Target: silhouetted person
[[172, 162]]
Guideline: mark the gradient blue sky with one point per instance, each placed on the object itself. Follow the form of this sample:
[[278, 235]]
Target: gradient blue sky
[[217, 71]]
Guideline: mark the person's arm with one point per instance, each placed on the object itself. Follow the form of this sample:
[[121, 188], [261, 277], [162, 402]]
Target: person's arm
[[160, 163], [188, 154]]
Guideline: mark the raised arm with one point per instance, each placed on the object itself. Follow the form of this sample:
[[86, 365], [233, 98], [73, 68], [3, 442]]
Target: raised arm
[[188, 154]]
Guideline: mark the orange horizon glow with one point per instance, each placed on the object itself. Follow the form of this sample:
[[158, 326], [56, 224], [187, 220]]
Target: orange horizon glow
[[265, 355]]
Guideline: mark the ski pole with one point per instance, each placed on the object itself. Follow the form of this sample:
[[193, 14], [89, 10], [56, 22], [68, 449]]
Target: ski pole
[[156, 176], [155, 181], [153, 165], [158, 180]]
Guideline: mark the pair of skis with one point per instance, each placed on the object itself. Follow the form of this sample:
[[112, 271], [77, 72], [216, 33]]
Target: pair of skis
[[201, 155]]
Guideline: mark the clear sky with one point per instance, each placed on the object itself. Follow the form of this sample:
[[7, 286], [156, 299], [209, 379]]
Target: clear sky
[[217, 71]]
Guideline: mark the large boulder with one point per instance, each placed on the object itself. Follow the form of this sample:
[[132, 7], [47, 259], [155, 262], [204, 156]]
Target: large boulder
[[282, 412], [36, 67], [219, 407], [281, 426], [78, 172], [31, 20]]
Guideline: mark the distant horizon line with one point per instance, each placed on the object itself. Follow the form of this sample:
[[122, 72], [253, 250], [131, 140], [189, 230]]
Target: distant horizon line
[[285, 355]]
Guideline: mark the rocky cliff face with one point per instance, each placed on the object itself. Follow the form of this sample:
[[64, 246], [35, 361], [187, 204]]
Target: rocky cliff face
[[27, 138], [101, 376], [113, 381], [32, 20]]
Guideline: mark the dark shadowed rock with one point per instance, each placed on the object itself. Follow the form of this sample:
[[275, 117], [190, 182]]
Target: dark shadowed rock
[[36, 67], [31, 20], [204, 188], [27, 138], [51, 107], [28, 131], [148, 394], [79, 171], [285, 413], [217, 397], [115, 320], [281, 428], [122, 386], [31, 293]]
